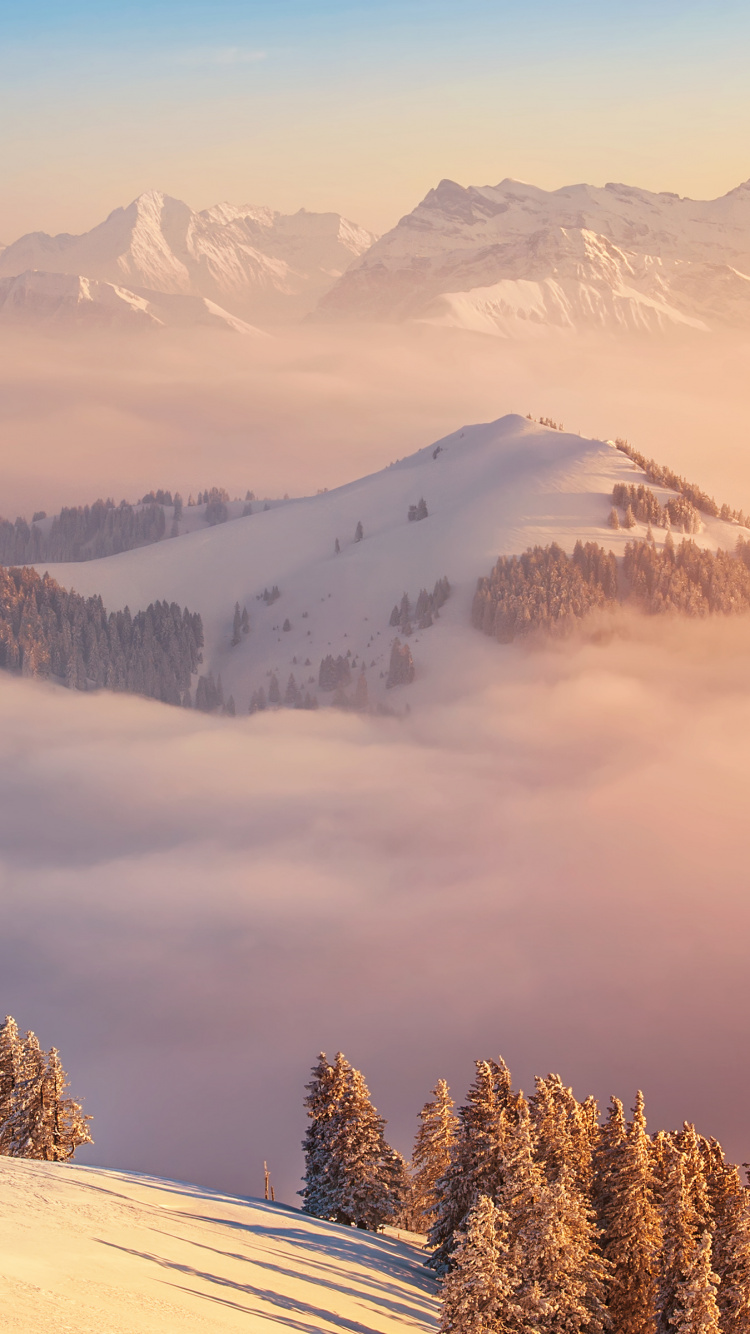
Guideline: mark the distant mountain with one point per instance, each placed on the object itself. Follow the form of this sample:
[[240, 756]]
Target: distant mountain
[[59, 300], [513, 259], [261, 265], [448, 510]]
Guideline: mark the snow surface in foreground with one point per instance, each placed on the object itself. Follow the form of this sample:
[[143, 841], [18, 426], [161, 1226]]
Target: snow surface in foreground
[[95, 1251]]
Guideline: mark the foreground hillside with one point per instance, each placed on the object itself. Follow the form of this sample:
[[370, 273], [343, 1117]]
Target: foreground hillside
[[489, 490], [91, 1250]]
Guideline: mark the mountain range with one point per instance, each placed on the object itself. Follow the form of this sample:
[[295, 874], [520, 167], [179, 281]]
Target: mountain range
[[254, 263], [512, 259]]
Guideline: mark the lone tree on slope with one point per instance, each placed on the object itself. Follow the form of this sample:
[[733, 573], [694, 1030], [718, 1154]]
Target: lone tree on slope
[[36, 1119]]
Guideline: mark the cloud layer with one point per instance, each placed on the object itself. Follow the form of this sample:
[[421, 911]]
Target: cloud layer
[[553, 866]]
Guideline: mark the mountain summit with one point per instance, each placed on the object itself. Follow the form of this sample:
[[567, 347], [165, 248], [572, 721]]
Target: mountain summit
[[512, 258], [259, 264]]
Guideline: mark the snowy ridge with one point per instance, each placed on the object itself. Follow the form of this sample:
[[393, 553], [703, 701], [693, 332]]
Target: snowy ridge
[[91, 1250], [510, 258], [60, 299], [257, 263], [489, 489]]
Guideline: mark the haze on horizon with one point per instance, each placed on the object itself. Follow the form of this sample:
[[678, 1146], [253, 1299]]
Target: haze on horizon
[[361, 108]]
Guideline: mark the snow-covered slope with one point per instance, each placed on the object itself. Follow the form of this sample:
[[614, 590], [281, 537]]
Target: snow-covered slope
[[90, 1251], [510, 259], [59, 299], [259, 264], [490, 489]]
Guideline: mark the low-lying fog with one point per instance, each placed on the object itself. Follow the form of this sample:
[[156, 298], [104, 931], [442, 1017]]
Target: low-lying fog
[[316, 406], [554, 866]]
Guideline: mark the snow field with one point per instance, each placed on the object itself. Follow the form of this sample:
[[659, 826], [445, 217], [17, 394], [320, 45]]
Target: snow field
[[491, 489], [103, 1252]]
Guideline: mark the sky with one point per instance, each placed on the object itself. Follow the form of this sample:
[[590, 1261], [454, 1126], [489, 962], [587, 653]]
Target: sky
[[361, 108]]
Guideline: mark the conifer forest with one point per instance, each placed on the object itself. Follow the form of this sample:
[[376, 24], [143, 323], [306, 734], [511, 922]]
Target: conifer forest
[[541, 1213]]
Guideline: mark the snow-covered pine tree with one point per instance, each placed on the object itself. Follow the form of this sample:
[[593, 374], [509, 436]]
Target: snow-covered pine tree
[[65, 1123], [478, 1292], [24, 1128], [560, 1275], [476, 1166], [236, 625], [351, 1173], [360, 1158], [627, 1210], [359, 532], [566, 1131], [11, 1060], [730, 1213], [323, 1095], [431, 1158], [696, 1310], [679, 1225]]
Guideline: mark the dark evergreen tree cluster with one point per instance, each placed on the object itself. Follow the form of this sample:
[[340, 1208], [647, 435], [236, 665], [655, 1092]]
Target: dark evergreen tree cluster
[[407, 616], [86, 532], [679, 512], [209, 693], [542, 1219], [240, 624], [544, 589], [687, 579], [418, 511], [334, 673], [46, 631], [662, 476], [401, 666], [295, 696], [216, 495], [37, 1120], [269, 597], [352, 1175]]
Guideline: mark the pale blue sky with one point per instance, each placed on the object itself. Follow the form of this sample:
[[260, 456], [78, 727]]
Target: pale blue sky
[[362, 107]]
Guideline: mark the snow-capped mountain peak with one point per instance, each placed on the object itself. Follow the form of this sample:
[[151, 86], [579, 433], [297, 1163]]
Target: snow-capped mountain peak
[[256, 263], [513, 258]]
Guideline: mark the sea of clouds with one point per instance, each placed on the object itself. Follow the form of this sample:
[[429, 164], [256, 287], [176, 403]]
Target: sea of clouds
[[553, 865]]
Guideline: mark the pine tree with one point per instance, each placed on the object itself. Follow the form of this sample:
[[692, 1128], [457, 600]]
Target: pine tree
[[629, 520], [274, 694], [11, 1060], [358, 1151], [560, 1276], [361, 694], [337, 547], [352, 1175], [66, 1125], [679, 1219], [632, 1232], [477, 1158], [431, 1158], [478, 1293], [730, 1215], [322, 1100], [696, 1311], [359, 532], [236, 625], [614, 518]]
